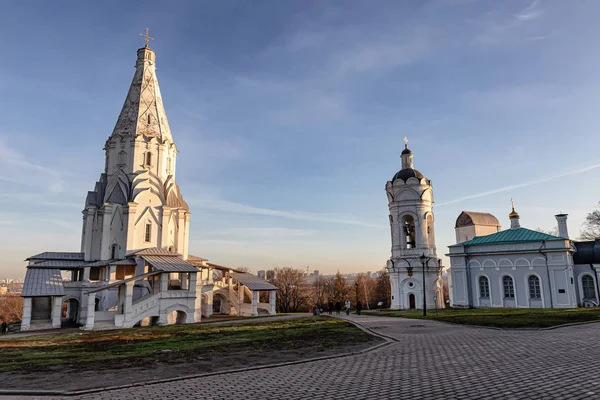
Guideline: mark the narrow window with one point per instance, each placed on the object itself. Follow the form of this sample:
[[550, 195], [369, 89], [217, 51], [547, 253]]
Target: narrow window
[[484, 287], [169, 165], [535, 291], [589, 291], [148, 233], [149, 120], [509, 288], [148, 158], [113, 252]]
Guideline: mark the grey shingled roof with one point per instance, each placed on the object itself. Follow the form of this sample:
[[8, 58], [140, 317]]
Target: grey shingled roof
[[253, 282], [42, 282], [169, 264], [151, 251], [53, 255], [58, 264], [127, 261]]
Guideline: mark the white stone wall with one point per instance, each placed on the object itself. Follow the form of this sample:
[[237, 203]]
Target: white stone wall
[[553, 268]]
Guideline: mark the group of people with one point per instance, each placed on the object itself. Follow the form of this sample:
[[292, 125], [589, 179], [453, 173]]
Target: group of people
[[338, 307], [4, 328]]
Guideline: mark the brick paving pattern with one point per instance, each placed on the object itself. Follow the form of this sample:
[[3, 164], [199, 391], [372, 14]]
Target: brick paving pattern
[[431, 360]]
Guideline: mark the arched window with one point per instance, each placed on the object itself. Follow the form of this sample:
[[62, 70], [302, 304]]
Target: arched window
[[509, 287], [535, 291], [587, 284], [113, 252], [408, 227], [148, 233], [484, 287], [148, 158]]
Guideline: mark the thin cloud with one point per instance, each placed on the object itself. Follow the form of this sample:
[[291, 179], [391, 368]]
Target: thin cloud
[[520, 185], [530, 12], [216, 204]]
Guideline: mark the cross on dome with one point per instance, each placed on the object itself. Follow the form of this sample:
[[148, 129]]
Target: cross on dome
[[146, 37]]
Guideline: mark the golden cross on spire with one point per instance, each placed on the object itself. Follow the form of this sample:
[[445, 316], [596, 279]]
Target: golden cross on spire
[[146, 37], [513, 204], [405, 142]]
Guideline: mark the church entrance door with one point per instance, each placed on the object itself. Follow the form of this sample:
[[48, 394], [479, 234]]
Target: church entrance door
[[411, 301]]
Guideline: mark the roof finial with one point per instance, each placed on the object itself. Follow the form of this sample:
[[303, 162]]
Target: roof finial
[[146, 37], [405, 142], [513, 204]]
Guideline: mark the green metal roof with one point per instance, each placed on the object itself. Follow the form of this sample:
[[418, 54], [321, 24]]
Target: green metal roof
[[521, 235]]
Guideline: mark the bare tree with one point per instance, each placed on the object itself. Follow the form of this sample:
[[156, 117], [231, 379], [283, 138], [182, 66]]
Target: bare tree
[[341, 289], [367, 288], [591, 226], [383, 291], [243, 269], [293, 291], [319, 291], [553, 231], [11, 308]]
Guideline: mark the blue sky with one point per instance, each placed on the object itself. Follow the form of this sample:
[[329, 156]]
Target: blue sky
[[289, 117]]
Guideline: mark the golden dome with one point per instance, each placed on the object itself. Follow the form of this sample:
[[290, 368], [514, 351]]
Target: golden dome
[[513, 213]]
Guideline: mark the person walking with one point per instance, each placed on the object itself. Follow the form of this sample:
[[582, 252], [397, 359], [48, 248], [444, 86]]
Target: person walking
[[347, 306], [358, 307], [330, 307], [4, 328], [338, 307]]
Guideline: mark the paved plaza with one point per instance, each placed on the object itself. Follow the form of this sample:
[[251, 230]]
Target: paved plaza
[[426, 360]]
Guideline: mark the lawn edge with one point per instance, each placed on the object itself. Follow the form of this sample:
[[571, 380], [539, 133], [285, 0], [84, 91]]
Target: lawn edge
[[547, 328], [387, 340]]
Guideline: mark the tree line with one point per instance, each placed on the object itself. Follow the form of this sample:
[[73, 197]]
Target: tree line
[[297, 294]]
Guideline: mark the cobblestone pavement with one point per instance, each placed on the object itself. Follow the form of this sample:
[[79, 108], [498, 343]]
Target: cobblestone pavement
[[431, 360]]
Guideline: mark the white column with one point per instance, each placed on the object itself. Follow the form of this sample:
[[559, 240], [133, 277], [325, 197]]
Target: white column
[[86, 245], [56, 311], [180, 231], [91, 306], [26, 320], [273, 302], [254, 303], [164, 282], [164, 237], [396, 301], [86, 274], [209, 304], [183, 278], [128, 303], [131, 212], [186, 236], [105, 241]]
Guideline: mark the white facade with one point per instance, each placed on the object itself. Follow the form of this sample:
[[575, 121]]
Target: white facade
[[134, 266], [410, 203], [137, 203], [517, 267]]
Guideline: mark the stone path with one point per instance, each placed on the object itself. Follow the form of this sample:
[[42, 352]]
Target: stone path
[[429, 360]]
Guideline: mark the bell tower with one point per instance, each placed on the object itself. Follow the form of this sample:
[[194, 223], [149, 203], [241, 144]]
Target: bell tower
[[415, 270], [137, 203]]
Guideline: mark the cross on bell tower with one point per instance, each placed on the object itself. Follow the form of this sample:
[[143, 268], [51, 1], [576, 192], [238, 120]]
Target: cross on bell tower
[[146, 37]]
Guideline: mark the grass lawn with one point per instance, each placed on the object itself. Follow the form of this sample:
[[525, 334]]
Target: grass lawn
[[173, 344], [501, 317]]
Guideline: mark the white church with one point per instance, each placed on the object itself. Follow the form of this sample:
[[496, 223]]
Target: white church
[[134, 265], [520, 267], [415, 271]]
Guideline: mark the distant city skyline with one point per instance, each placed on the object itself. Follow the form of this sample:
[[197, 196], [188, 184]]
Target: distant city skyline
[[289, 117]]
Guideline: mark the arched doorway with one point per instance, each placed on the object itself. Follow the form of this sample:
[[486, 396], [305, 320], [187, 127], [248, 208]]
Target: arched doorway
[[217, 303], [70, 312], [411, 301], [176, 317]]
